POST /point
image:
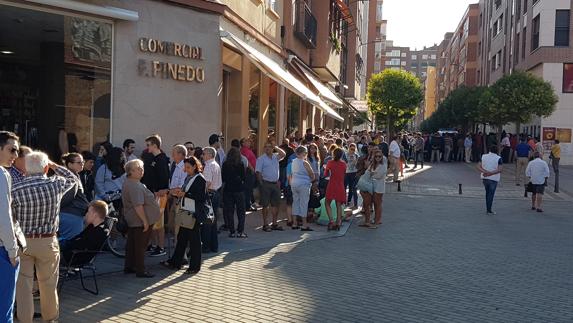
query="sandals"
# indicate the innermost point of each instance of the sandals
(266, 228)
(242, 235)
(306, 229)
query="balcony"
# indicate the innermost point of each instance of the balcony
(305, 24)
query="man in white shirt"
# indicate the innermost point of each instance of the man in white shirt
(490, 167)
(177, 177)
(538, 171)
(394, 158)
(506, 148)
(268, 173)
(212, 174)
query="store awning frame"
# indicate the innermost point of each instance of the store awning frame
(279, 74)
(99, 10)
(324, 91)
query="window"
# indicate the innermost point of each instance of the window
(415, 57)
(433, 56)
(403, 55)
(524, 7)
(403, 63)
(496, 60)
(498, 26)
(393, 53)
(425, 56)
(518, 8)
(523, 42)
(562, 28)
(272, 4)
(517, 44)
(535, 34)
(568, 78)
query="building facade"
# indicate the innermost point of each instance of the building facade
(93, 71)
(75, 74)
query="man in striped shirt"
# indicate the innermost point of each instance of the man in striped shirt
(36, 205)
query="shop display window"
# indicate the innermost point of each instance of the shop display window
(55, 79)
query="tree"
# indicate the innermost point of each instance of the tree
(393, 96)
(460, 109)
(517, 98)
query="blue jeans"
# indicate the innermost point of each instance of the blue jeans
(490, 187)
(70, 226)
(350, 181)
(9, 275)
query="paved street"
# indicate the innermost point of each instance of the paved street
(437, 258)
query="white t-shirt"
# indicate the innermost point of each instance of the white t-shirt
(490, 163)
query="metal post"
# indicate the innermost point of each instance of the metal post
(460, 188)
(399, 186)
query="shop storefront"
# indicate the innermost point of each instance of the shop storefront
(74, 74)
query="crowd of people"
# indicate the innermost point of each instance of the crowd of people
(195, 194)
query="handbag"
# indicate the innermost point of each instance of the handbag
(365, 183)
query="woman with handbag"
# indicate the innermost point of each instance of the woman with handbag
(140, 210)
(190, 213)
(378, 169)
(365, 183)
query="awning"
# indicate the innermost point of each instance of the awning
(279, 74)
(323, 91)
(100, 10)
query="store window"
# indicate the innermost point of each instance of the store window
(293, 113)
(55, 80)
(568, 78)
(254, 101)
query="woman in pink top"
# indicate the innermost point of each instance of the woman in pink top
(336, 170)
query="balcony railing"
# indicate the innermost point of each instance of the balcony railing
(305, 24)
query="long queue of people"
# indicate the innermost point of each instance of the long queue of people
(49, 209)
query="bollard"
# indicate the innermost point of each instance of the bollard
(460, 188)
(399, 186)
(525, 191)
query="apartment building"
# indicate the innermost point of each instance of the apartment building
(460, 58)
(376, 37)
(420, 60)
(441, 67)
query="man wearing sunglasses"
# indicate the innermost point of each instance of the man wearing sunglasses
(11, 237)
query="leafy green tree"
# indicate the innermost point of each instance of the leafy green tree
(517, 98)
(393, 96)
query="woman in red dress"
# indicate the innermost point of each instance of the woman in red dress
(336, 170)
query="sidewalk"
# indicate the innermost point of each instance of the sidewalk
(258, 239)
(451, 175)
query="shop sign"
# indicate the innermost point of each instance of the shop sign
(548, 134)
(563, 135)
(168, 70)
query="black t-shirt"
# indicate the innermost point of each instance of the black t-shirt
(233, 176)
(91, 238)
(156, 171)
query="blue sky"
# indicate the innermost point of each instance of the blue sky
(419, 23)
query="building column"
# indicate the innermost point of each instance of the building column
(263, 111)
(238, 106)
(281, 115)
